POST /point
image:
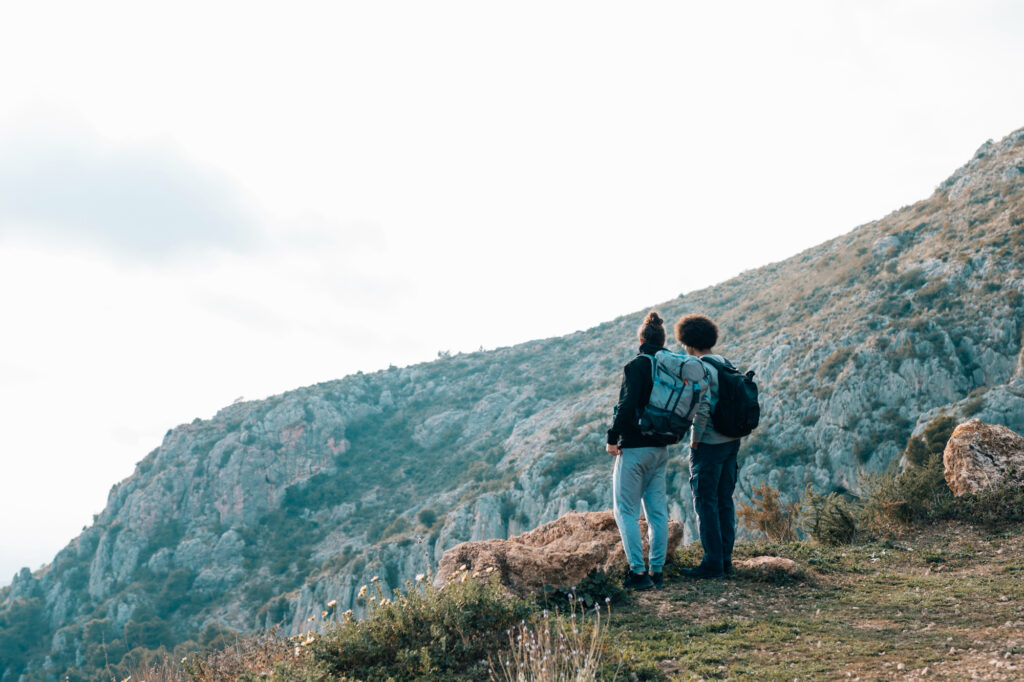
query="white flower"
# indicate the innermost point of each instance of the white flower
(420, 577)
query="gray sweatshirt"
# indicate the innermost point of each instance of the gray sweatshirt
(703, 431)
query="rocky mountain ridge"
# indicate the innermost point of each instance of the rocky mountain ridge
(261, 515)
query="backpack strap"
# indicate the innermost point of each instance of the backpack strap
(719, 365)
(651, 358)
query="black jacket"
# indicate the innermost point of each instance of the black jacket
(633, 396)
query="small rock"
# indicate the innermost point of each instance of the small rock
(771, 565)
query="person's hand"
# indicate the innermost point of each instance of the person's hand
(613, 450)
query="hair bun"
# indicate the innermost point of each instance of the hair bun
(654, 318)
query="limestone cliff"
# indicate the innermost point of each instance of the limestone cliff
(264, 513)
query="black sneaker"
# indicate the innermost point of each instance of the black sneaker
(658, 579)
(637, 581)
(701, 572)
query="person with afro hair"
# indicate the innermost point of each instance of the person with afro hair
(713, 459)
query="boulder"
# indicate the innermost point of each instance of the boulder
(771, 566)
(560, 553)
(982, 456)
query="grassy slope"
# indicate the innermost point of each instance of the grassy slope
(941, 602)
(949, 598)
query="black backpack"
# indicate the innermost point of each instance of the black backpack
(737, 412)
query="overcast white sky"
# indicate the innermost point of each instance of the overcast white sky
(201, 201)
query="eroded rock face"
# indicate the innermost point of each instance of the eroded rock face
(982, 456)
(560, 553)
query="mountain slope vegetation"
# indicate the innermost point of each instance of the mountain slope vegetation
(260, 515)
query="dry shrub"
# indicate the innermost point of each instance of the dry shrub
(768, 516)
(564, 648)
(260, 657)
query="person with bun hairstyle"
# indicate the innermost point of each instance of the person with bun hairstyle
(638, 478)
(713, 459)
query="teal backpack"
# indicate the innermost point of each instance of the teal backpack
(679, 383)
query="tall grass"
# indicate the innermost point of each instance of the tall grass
(557, 648)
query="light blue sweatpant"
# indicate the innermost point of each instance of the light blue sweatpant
(639, 479)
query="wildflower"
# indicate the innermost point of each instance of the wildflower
(362, 591)
(323, 614)
(420, 577)
(184, 659)
(374, 579)
(296, 651)
(331, 604)
(312, 618)
(490, 569)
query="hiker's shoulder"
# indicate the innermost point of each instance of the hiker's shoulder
(714, 359)
(639, 361)
(643, 359)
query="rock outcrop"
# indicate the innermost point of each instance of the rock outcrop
(982, 456)
(560, 553)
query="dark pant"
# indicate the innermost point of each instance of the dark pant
(713, 470)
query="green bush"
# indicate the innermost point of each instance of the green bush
(826, 518)
(427, 516)
(428, 633)
(564, 464)
(994, 509)
(22, 627)
(931, 441)
(917, 494)
(597, 588)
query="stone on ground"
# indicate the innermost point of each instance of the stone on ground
(982, 456)
(771, 565)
